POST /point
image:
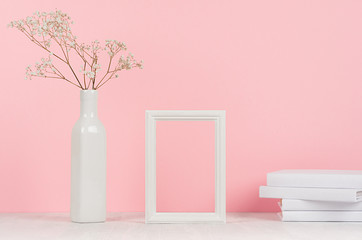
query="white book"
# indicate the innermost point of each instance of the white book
(307, 205)
(315, 178)
(321, 216)
(319, 194)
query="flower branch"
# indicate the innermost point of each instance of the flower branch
(47, 27)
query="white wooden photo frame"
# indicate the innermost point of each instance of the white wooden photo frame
(219, 215)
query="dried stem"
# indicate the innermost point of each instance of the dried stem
(44, 28)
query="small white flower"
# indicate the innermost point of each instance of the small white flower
(56, 25)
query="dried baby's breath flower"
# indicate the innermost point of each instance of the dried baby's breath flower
(52, 30)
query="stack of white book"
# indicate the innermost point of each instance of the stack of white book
(316, 195)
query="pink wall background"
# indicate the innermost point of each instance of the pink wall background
(288, 74)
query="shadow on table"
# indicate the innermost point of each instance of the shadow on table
(126, 217)
(61, 217)
(251, 217)
(65, 217)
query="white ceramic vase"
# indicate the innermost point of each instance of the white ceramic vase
(88, 164)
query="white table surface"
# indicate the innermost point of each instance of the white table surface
(54, 226)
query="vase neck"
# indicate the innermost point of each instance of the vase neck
(88, 103)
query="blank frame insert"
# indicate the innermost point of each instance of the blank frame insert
(185, 166)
